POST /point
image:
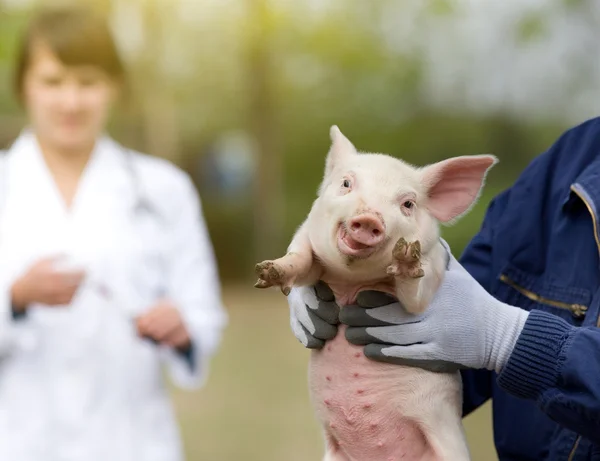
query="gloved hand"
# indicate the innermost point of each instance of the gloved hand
(313, 314)
(463, 327)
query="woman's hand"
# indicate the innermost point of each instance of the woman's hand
(43, 283)
(164, 324)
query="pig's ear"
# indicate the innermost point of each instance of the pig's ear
(454, 185)
(341, 150)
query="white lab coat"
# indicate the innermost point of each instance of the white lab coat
(76, 383)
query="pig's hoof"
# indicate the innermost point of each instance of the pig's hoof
(407, 260)
(407, 252)
(271, 274)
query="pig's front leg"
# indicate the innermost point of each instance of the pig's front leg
(297, 267)
(416, 278)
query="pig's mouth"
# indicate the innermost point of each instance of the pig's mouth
(351, 247)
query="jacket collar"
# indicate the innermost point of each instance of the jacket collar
(586, 188)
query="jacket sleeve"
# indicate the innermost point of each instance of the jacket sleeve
(558, 366)
(477, 260)
(194, 286)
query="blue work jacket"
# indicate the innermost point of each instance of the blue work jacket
(538, 249)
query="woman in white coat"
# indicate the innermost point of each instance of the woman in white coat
(106, 268)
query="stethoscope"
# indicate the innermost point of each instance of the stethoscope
(143, 209)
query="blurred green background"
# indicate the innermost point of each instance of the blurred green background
(241, 93)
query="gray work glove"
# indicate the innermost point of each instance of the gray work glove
(463, 327)
(313, 314)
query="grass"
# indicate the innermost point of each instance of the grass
(255, 406)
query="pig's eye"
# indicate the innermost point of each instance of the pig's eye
(347, 184)
(408, 207)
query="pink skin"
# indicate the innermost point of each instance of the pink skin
(360, 234)
(351, 395)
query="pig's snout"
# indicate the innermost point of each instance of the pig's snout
(367, 229)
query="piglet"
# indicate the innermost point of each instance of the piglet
(375, 226)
